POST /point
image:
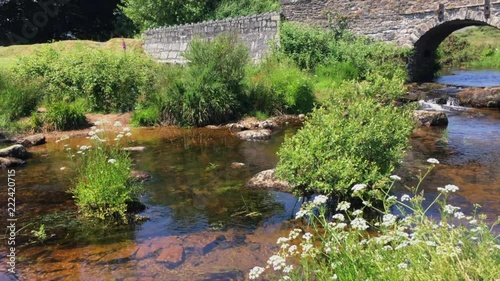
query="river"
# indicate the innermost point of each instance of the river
(199, 208)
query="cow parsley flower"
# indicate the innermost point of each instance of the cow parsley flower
(358, 187)
(343, 206)
(405, 197)
(255, 272)
(395, 178)
(449, 209)
(359, 223)
(389, 220)
(338, 217)
(112, 161)
(433, 161)
(320, 199)
(117, 124)
(277, 262)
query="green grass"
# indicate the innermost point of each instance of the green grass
(9, 55)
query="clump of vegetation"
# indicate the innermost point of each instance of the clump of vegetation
(64, 116)
(235, 8)
(348, 141)
(109, 82)
(103, 188)
(278, 86)
(406, 244)
(19, 99)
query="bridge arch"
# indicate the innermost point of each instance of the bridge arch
(430, 34)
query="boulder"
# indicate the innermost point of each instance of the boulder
(235, 127)
(171, 256)
(6, 162)
(254, 135)
(430, 118)
(267, 180)
(33, 140)
(480, 97)
(267, 124)
(139, 176)
(15, 151)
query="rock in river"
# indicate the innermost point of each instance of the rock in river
(15, 151)
(254, 135)
(267, 180)
(480, 97)
(6, 162)
(33, 140)
(430, 118)
(139, 176)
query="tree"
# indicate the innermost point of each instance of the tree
(155, 13)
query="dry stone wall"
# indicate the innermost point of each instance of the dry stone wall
(259, 32)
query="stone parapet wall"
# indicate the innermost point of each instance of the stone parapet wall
(258, 32)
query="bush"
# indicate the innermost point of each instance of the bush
(213, 90)
(103, 188)
(307, 46)
(231, 8)
(146, 116)
(108, 81)
(280, 87)
(19, 98)
(408, 244)
(66, 116)
(356, 141)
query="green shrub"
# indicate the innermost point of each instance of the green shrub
(146, 116)
(108, 81)
(213, 88)
(19, 98)
(356, 141)
(66, 116)
(103, 188)
(280, 87)
(307, 46)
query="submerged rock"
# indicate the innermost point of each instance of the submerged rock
(6, 162)
(430, 118)
(480, 97)
(15, 151)
(171, 256)
(267, 180)
(254, 135)
(33, 140)
(139, 176)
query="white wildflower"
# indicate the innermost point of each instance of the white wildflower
(338, 217)
(357, 213)
(459, 215)
(307, 236)
(473, 221)
(389, 220)
(288, 269)
(405, 197)
(433, 161)
(431, 243)
(282, 240)
(359, 223)
(395, 178)
(300, 214)
(451, 188)
(293, 250)
(320, 199)
(276, 262)
(126, 129)
(117, 124)
(255, 272)
(112, 161)
(358, 187)
(402, 265)
(84, 147)
(63, 168)
(294, 234)
(119, 136)
(334, 277)
(93, 128)
(343, 206)
(449, 209)
(129, 134)
(340, 226)
(91, 133)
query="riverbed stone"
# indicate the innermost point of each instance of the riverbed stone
(135, 148)
(251, 135)
(480, 97)
(171, 256)
(430, 118)
(6, 162)
(238, 165)
(139, 176)
(33, 140)
(15, 151)
(125, 252)
(267, 180)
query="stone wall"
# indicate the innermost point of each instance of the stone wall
(385, 20)
(258, 32)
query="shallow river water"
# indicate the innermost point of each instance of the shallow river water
(203, 223)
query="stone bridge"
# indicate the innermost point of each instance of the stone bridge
(419, 24)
